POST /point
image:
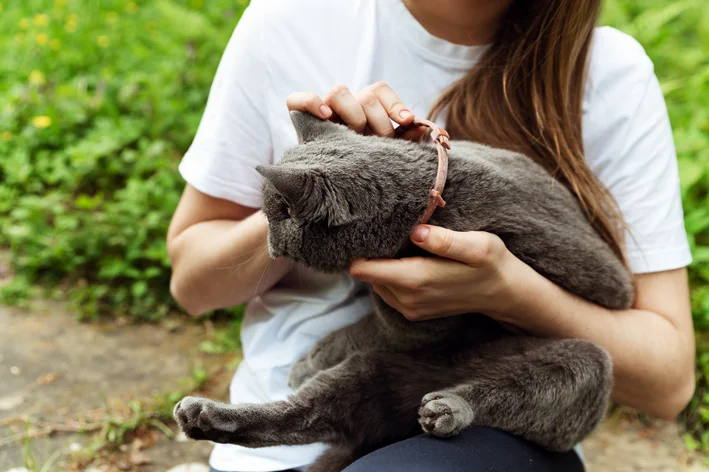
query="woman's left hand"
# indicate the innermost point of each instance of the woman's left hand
(469, 276)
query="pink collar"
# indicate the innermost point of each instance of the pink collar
(441, 138)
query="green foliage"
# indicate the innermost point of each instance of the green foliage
(99, 101)
(676, 36)
(225, 340)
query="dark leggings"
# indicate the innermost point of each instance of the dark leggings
(473, 450)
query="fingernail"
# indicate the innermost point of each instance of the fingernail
(403, 114)
(325, 111)
(420, 234)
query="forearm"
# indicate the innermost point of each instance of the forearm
(222, 263)
(651, 356)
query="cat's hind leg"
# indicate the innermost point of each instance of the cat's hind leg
(551, 392)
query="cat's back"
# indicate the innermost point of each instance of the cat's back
(538, 218)
(502, 164)
(507, 185)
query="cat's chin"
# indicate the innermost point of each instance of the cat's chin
(326, 269)
(317, 266)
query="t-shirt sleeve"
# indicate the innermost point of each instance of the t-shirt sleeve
(635, 158)
(234, 134)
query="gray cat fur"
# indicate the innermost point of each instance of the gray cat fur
(339, 196)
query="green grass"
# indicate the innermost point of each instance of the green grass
(99, 99)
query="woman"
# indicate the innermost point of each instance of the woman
(529, 75)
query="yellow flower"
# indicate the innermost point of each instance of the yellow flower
(60, 3)
(41, 19)
(6, 136)
(55, 44)
(70, 27)
(131, 7)
(37, 77)
(112, 16)
(41, 39)
(24, 23)
(42, 121)
(72, 18)
(102, 41)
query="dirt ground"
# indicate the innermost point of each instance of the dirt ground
(55, 371)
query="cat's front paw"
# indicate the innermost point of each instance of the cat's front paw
(444, 414)
(201, 418)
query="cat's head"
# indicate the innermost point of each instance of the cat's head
(338, 195)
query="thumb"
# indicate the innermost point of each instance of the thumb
(471, 247)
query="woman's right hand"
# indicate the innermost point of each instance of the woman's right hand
(370, 111)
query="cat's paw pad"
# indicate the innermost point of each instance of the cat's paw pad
(444, 414)
(201, 418)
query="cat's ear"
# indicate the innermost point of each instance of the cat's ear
(310, 128)
(310, 194)
(288, 180)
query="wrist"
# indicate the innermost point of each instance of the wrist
(506, 301)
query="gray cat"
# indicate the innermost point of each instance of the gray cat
(339, 196)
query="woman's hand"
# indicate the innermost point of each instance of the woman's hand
(369, 111)
(470, 276)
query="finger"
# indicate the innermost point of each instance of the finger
(471, 247)
(407, 273)
(387, 295)
(391, 299)
(347, 107)
(377, 119)
(310, 102)
(391, 102)
(413, 133)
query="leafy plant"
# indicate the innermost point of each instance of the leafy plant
(676, 37)
(99, 101)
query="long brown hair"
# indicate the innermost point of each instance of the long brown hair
(526, 95)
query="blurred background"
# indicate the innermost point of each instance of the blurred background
(98, 101)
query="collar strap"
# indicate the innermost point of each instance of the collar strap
(441, 138)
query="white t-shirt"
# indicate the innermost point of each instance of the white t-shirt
(280, 46)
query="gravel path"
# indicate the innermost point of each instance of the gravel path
(54, 369)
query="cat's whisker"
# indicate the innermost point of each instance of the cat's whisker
(239, 257)
(254, 253)
(263, 274)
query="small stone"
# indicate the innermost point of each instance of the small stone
(191, 467)
(75, 447)
(48, 378)
(17, 469)
(139, 458)
(11, 401)
(181, 437)
(14, 370)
